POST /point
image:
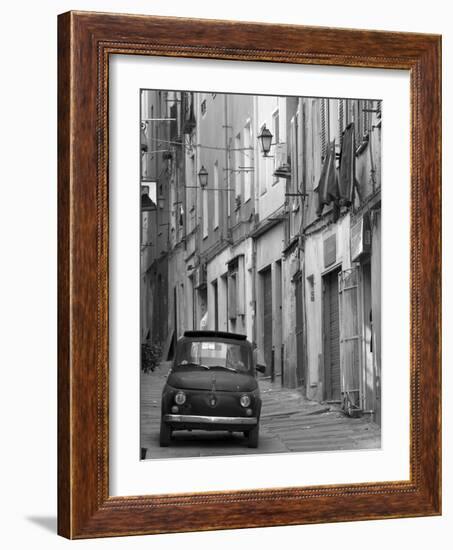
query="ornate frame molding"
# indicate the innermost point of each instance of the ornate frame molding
(86, 40)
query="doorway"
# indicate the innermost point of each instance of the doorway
(331, 337)
(216, 304)
(300, 352)
(267, 318)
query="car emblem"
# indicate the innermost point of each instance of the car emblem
(212, 400)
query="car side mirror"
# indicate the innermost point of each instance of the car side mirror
(261, 368)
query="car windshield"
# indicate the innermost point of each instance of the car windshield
(211, 354)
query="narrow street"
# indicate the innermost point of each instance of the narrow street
(265, 222)
(289, 422)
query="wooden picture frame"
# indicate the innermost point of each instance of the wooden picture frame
(85, 41)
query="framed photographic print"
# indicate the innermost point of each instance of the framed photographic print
(249, 275)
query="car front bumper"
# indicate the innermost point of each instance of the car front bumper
(205, 421)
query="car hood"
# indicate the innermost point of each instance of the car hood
(220, 380)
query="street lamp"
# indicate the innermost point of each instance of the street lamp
(265, 139)
(203, 177)
(161, 201)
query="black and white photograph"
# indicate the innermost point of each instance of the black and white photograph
(260, 274)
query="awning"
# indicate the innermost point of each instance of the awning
(147, 205)
(327, 187)
(347, 167)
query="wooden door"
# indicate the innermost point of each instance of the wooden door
(267, 318)
(331, 337)
(216, 305)
(300, 367)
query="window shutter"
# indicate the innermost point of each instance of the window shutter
(357, 123)
(341, 120)
(350, 340)
(240, 287)
(236, 287)
(323, 129)
(301, 148)
(232, 296)
(293, 153)
(294, 201)
(366, 117)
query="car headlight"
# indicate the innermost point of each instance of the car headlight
(180, 398)
(245, 400)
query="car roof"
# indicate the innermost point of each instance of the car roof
(214, 334)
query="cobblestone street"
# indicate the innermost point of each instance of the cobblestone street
(289, 422)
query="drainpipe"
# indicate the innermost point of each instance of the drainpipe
(256, 210)
(254, 275)
(256, 173)
(226, 194)
(302, 247)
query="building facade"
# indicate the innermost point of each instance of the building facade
(281, 245)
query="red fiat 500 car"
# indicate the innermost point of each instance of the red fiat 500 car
(212, 385)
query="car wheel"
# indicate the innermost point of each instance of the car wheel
(253, 437)
(165, 434)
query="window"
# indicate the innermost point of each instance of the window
(311, 287)
(248, 161)
(341, 120)
(276, 140)
(215, 291)
(216, 194)
(197, 353)
(266, 168)
(293, 153)
(379, 108)
(276, 126)
(236, 288)
(191, 194)
(362, 120)
(324, 127)
(228, 174)
(294, 182)
(237, 171)
(366, 105)
(232, 288)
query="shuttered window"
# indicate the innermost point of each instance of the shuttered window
(295, 174)
(236, 288)
(248, 161)
(238, 174)
(217, 194)
(363, 120)
(324, 128)
(232, 287)
(350, 341)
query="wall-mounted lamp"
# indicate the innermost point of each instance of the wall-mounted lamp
(265, 139)
(161, 201)
(203, 177)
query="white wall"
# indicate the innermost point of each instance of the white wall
(270, 190)
(28, 275)
(314, 266)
